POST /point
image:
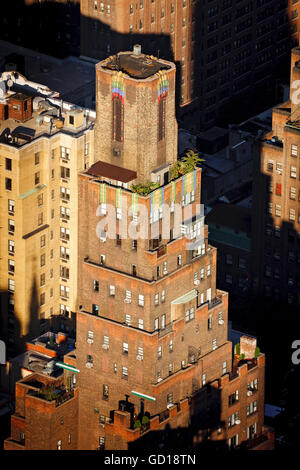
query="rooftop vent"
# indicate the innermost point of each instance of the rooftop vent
(137, 49)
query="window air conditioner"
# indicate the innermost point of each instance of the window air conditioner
(139, 357)
(105, 346)
(249, 393)
(237, 421)
(90, 340)
(127, 301)
(221, 322)
(197, 282)
(89, 365)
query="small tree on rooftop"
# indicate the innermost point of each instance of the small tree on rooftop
(191, 159)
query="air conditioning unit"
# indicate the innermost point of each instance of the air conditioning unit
(237, 421)
(89, 365)
(90, 340)
(105, 346)
(221, 322)
(127, 301)
(197, 282)
(170, 405)
(159, 379)
(249, 393)
(139, 357)
(103, 239)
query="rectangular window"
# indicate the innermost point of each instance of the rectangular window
(11, 246)
(64, 253)
(112, 290)
(11, 266)
(64, 233)
(141, 300)
(11, 206)
(37, 178)
(8, 184)
(140, 323)
(65, 153)
(40, 218)
(125, 373)
(8, 165)
(128, 319)
(64, 291)
(156, 299)
(96, 286)
(95, 309)
(278, 189)
(64, 172)
(64, 213)
(11, 285)
(42, 299)
(37, 158)
(294, 150)
(105, 392)
(293, 172)
(159, 352)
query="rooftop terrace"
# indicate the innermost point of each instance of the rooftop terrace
(135, 64)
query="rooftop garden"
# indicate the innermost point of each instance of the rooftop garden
(186, 163)
(52, 393)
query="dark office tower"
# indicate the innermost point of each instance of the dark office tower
(228, 52)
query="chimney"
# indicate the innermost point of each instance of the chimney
(137, 49)
(247, 346)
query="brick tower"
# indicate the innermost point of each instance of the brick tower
(151, 325)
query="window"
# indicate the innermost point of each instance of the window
(278, 189)
(128, 319)
(118, 117)
(42, 279)
(11, 285)
(294, 150)
(156, 324)
(134, 245)
(42, 299)
(58, 445)
(125, 348)
(161, 116)
(232, 420)
(228, 259)
(65, 213)
(208, 270)
(37, 178)
(233, 398)
(43, 260)
(64, 233)
(64, 172)
(112, 290)
(140, 323)
(209, 322)
(224, 367)
(64, 291)
(64, 253)
(170, 398)
(140, 353)
(253, 386)
(65, 193)
(11, 206)
(128, 296)
(179, 260)
(11, 266)
(171, 345)
(96, 286)
(277, 210)
(163, 296)
(40, 218)
(156, 299)
(8, 184)
(125, 373)
(214, 344)
(8, 165)
(11, 246)
(203, 379)
(65, 153)
(105, 392)
(292, 214)
(293, 172)
(190, 314)
(293, 193)
(251, 408)
(270, 165)
(64, 272)
(141, 300)
(159, 352)
(37, 158)
(95, 309)
(64, 310)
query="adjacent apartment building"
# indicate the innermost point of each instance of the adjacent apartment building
(225, 50)
(276, 196)
(44, 143)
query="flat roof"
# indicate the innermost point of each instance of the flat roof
(136, 66)
(112, 171)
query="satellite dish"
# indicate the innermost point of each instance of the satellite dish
(10, 83)
(2, 89)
